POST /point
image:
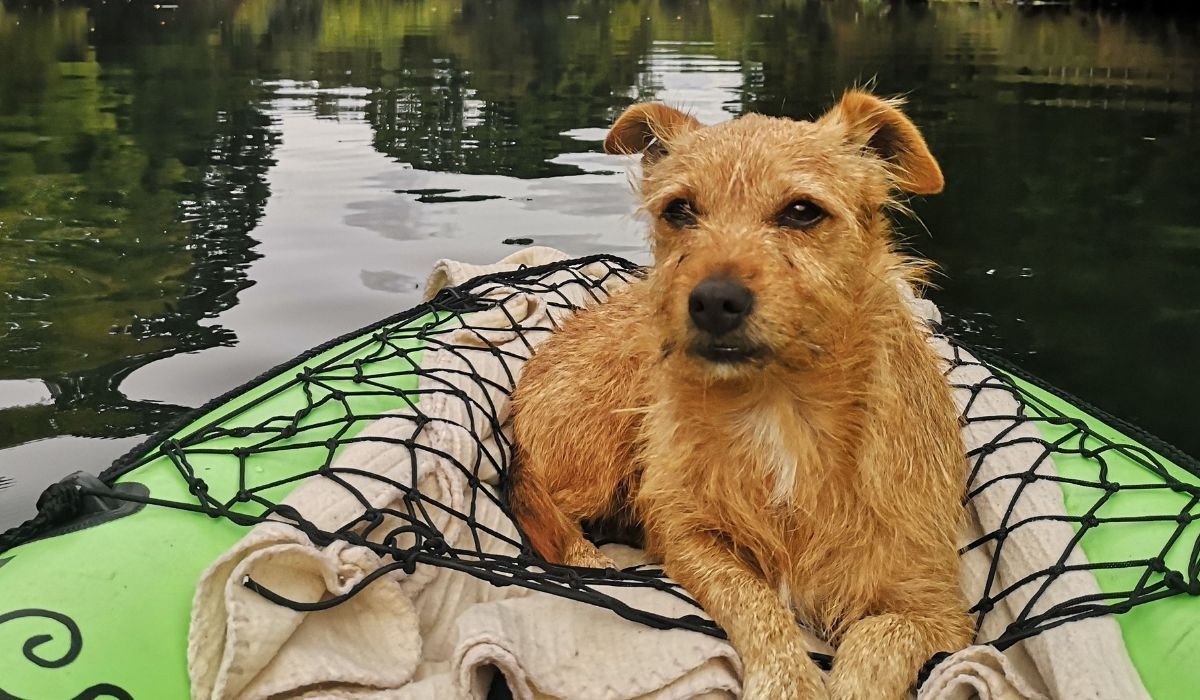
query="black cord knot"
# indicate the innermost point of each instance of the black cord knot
(59, 501)
(1175, 581)
(984, 606)
(409, 564)
(197, 487)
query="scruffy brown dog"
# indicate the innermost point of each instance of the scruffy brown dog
(764, 404)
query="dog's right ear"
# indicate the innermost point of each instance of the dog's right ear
(880, 127)
(647, 128)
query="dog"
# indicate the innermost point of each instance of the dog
(764, 407)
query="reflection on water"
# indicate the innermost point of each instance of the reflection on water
(688, 73)
(121, 227)
(192, 194)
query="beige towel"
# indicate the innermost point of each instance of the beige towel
(552, 647)
(451, 273)
(440, 633)
(980, 672)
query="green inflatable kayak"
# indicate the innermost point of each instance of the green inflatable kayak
(96, 591)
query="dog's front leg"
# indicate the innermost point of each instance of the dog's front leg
(879, 656)
(761, 629)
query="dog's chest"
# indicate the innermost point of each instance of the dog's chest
(773, 439)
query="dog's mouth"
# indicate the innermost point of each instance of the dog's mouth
(726, 352)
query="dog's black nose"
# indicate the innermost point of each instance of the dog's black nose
(718, 305)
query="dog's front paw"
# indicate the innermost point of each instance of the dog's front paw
(842, 688)
(786, 680)
(584, 554)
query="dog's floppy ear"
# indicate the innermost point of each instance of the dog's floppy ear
(647, 128)
(879, 126)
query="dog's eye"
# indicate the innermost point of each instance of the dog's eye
(679, 213)
(801, 214)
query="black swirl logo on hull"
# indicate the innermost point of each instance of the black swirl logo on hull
(31, 652)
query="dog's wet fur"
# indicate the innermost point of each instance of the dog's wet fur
(764, 406)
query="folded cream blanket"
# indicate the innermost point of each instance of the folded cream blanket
(440, 633)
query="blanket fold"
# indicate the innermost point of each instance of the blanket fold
(245, 646)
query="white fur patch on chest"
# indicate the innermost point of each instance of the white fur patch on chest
(768, 441)
(785, 595)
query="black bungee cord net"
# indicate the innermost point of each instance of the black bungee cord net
(1160, 468)
(376, 368)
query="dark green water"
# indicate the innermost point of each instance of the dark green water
(192, 194)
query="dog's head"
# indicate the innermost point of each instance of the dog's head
(767, 231)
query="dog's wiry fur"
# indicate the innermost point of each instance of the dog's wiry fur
(817, 476)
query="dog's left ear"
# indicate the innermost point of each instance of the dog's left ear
(879, 126)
